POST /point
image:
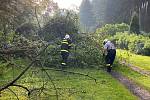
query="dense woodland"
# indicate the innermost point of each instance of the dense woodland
(101, 12)
(30, 37)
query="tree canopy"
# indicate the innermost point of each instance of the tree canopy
(87, 20)
(115, 11)
(16, 12)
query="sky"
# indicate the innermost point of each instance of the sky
(68, 4)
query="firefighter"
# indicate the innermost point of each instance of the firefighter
(65, 46)
(110, 53)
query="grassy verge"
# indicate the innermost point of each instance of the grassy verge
(141, 80)
(70, 87)
(140, 61)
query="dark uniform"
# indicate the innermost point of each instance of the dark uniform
(111, 53)
(65, 46)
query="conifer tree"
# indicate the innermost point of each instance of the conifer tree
(99, 9)
(87, 20)
(134, 25)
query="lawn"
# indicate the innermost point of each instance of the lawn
(140, 61)
(141, 80)
(69, 86)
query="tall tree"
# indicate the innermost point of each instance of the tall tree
(64, 21)
(99, 9)
(144, 10)
(135, 26)
(87, 20)
(119, 11)
(15, 12)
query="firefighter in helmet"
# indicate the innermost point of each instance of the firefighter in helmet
(65, 46)
(110, 53)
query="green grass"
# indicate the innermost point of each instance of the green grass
(141, 80)
(140, 61)
(70, 87)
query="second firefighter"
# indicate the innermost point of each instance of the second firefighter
(65, 46)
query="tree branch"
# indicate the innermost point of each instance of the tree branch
(71, 73)
(50, 80)
(22, 73)
(22, 87)
(17, 78)
(13, 93)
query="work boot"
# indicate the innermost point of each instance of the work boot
(63, 65)
(109, 69)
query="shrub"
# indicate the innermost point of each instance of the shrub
(88, 50)
(2, 67)
(27, 30)
(52, 56)
(85, 52)
(111, 29)
(135, 43)
(146, 48)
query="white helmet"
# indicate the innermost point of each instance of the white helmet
(105, 41)
(67, 36)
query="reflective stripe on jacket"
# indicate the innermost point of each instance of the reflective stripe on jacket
(65, 45)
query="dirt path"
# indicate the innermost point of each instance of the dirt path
(137, 69)
(133, 87)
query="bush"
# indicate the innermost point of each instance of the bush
(111, 29)
(52, 57)
(135, 43)
(27, 30)
(88, 52)
(2, 67)
(85, 52)
(146, 48)
(18, 41)
(145, 34)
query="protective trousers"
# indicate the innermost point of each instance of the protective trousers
(64, 57)
(110, 57)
